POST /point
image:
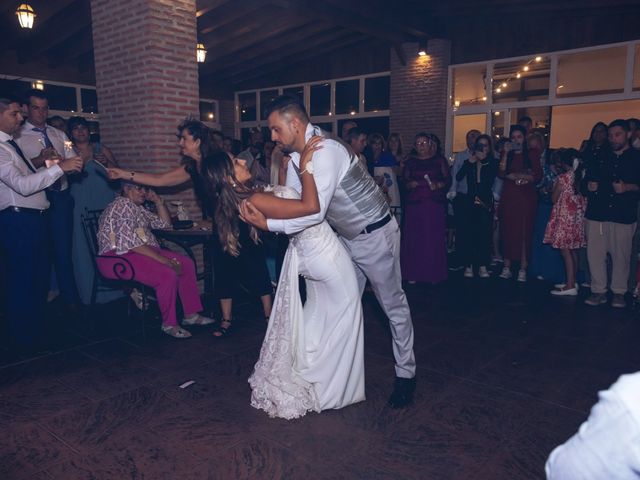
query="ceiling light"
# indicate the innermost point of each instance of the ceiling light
(201, 53)
(538, 59)
(26, 14)
(422, 49)
(38, 85)
(496, 114)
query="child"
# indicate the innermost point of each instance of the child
(565, 229)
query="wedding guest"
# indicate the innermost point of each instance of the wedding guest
(90, 191)
(56, 121)
(24, 239)
(565, 230)
(479, 171)
(125, 232)
(40, 142)
(521, 170)
(195, 144)
(427, 178)
(546, 261)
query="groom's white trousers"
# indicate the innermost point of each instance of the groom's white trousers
(376, 256)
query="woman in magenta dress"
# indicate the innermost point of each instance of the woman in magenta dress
(565, 230)
(427, 179)
(521, 170)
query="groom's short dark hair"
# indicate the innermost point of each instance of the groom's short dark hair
(287, 104)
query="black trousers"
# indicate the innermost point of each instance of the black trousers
(477, 232)
(248, 269)
(25, 275)
(61, 233)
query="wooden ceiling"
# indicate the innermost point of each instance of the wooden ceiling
(248, 39)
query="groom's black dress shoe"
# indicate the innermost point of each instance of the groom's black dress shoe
(402, 392)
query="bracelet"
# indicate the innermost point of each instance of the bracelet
(308, 169)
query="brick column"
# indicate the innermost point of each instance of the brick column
(419, 91)
(146, 79)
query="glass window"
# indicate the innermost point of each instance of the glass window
(370, 125)
(320, 99)
(540, 118)
(327, 127)
(462, 124)
(636, 69)
(376, 94)
(266, 97)
(89, 100)
(497, 124)
(591, 73)
(521, 80)
(14, 87)
(297, 91)
(247, 104)
(208, 112)
(468, 85)
(347, 97)
(573, 123)
(61, 98)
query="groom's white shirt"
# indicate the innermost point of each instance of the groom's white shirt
(330, 164)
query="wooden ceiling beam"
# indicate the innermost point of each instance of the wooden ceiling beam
(205, 6)
(251, 23)
(301, 49)
(351, 21)
(289, 61)
(226, 14)
(284, 41)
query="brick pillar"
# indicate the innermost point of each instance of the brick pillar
(227, 117)
(419, 91)
(146, 79)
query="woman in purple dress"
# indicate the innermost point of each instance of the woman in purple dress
(427, 179)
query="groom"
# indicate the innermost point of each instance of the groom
(355, 207)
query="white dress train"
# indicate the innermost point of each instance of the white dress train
(312, 357)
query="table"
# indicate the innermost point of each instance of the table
(200, 234)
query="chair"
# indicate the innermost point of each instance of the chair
(122, 269)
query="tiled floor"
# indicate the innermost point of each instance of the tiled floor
(505, 373)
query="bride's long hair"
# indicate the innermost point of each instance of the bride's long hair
(226, 192)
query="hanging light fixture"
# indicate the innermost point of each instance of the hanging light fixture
(26, 14)
(201, 53)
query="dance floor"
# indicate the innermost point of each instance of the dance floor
(505, 373)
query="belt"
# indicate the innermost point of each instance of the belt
(376, 225)
(32, 211)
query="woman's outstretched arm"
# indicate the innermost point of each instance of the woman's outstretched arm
(170, 178)
(283, 208)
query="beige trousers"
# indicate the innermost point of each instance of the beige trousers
(616, 240)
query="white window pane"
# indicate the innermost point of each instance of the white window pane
(462, 124)
(595, 72)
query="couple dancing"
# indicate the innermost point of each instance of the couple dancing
(312, 357)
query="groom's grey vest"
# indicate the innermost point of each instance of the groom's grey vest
(357, 201)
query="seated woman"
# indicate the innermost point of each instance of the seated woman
(125, 231)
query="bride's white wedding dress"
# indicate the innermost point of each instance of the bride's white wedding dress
(312, 357)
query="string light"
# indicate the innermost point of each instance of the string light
(526, 68)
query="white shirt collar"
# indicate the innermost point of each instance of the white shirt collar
(5, 137)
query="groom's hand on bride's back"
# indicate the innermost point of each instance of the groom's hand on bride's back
(251, 215)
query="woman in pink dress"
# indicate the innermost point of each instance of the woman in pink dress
(565, 229)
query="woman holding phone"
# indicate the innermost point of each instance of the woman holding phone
(91, 190)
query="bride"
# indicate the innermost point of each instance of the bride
(312, 357)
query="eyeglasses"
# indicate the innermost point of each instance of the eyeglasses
(425, 142)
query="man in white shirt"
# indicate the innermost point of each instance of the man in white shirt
(38, 142)
(24, 241)
(355, 207)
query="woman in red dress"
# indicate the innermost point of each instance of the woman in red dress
(521, 170)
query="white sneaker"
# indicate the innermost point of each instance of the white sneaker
(570, 292)
(468, 272)
(482, 272)
(522, 275)
(559, 286)
(506, 273)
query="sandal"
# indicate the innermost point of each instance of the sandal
(175, 331)
(197, 319)
(222, 330)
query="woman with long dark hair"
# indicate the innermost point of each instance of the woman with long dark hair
(312, 357)
(521, 170)
(196, 143)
